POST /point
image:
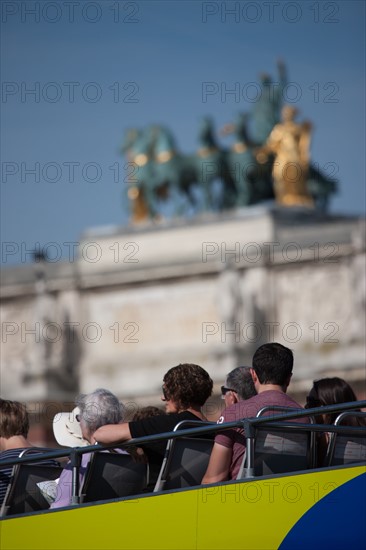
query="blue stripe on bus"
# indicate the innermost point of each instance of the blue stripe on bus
(337, 521)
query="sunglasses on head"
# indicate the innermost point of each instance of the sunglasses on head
(224, 390)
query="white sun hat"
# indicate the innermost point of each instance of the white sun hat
(67, 431)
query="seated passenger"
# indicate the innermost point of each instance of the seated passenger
(186, 389)
(331, 391)
(14, 427)
(271, 372)
(96, 409)
(238, 386)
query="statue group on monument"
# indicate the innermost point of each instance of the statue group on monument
(269, 159)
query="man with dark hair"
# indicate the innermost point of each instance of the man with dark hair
(271, 373)
(273, 364)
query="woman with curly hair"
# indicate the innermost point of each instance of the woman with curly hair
(185, 390)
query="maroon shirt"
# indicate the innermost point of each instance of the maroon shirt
(234, 439)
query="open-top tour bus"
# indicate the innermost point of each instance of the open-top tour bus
(281, 499)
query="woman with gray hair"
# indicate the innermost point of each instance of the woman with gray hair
(97, 409)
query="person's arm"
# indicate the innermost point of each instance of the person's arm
(219, 465)
(112, 433)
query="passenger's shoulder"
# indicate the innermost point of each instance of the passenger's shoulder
(10, 453)
(291, 401)
(242, 409)
(274, 397)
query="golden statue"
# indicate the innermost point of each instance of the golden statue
(135, 147)
(290, 143)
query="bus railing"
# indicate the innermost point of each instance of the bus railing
(249, 425)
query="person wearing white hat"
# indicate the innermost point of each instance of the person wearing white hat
(95, 409)
(67, 430)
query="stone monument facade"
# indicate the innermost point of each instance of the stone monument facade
(137, 301)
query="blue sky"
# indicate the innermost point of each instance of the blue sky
(98, 68)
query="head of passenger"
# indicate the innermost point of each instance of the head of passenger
(330, 391)
(14, 423)
(272, 366)
(146, 412)
(238, 386)
(97, 409)
(186, 387)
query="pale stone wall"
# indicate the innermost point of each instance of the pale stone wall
(208, 291)
(144, 330)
